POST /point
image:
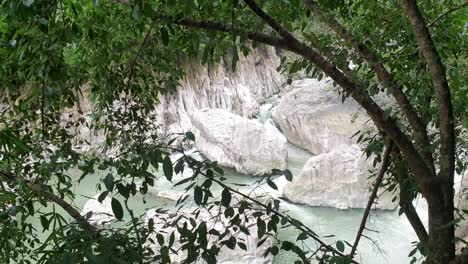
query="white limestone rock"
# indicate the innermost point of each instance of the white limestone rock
(98, 214)
(313, 117)
(165, 224)
(336, 179)
(218, 86)
(171, 195)
(462, 203)
(238, 142)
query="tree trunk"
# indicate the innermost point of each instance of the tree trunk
(441, 225)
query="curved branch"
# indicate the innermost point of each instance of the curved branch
(9, 177)
(441, 87)
(416, 123)
(221, 27)
(446, 13)
(359, 94)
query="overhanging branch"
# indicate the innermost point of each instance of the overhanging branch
(387, 79)
(359, 94)
(9, 177)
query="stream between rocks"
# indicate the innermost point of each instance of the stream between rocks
(392, 234)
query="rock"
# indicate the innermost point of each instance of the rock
(336, 179)
(98, 214)
(165, 224)
(461, 203)
(238, 142)
(217, 86)
(313, 117)
(171, 195)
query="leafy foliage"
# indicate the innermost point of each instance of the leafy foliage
(124, 55)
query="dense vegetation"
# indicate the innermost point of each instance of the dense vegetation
(124, 54)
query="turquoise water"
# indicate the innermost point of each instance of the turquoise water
(391, 232)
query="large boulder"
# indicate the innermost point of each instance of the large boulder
(312, 116)
(238, 142)
(336, 179)
(167, 223)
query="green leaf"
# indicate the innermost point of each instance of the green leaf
(226, 197)
(117, 209)
(302, 236)
(167, 168)
(44, 222)
(164, 36)
(123, 190)
(190, 136)
(340, 246)
(160, 239)
(261, 227)
(231, 242)
(198, 195)
(242, 245)
(288, 175)
(274, 250)
(102, 196)
(272, 184)
(286, 245)
(109, 182)
(151, 225)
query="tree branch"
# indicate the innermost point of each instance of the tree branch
(405, 202)
(441, 88)
(9, 177)
(451, 10)
(221, 27)
(359, 94)
(378, 181)
(387, 79)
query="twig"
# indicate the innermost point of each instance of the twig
(451, 10)
(378, 181)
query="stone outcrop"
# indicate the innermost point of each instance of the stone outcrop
(166, 223)
(240, 92)
(216, 86)
(336, 179)
(312, 116)
(461, 202)
(238, 142)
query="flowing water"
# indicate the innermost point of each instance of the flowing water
(390, 236)
(391, 233)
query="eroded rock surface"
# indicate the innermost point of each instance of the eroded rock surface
(218, 86)
(336, 179)
(238, 142)
(312, 116)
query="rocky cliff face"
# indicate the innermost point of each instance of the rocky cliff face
(313, 117)
(337, 179)
(240, 92)
(238, 142)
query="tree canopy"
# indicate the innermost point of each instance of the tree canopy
(125, 54)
